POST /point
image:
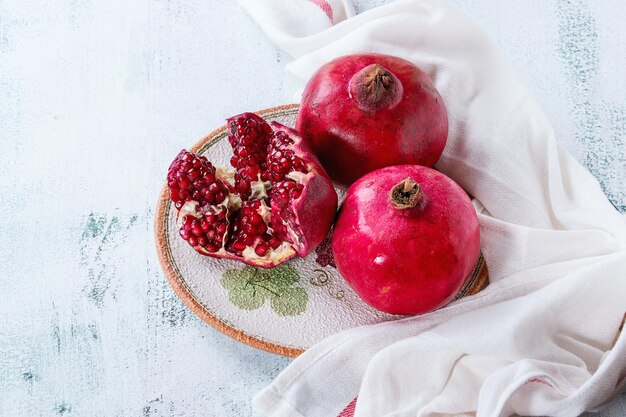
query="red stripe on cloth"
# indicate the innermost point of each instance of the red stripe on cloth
(541, 381)
(323, 4)
(349, 410)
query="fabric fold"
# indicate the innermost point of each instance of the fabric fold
(540, 339)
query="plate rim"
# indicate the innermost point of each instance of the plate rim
(172, 277)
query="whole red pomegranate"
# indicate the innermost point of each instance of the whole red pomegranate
(278, 200)
(406, 239)
(364, 112)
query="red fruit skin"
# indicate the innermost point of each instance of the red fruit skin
(247, 217)
(408, 261)
(351, 141)
(316, 208)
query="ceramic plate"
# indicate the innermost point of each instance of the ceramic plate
(282, 310)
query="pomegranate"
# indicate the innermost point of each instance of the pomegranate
(276, 203)
(364, 112)
(406, 239)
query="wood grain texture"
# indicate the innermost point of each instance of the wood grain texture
(97, 97)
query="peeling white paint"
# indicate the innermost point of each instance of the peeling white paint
(97, 98)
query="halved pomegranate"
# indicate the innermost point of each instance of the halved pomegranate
(276, 203)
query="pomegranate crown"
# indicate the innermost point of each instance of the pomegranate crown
(406, 194)
(375, 88)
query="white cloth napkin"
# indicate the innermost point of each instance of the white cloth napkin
(541, 339)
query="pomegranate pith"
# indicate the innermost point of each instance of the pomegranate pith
(260, 213)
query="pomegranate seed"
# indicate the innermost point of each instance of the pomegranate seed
(248, 239)
(185, 183)
(261, 249)
(255, 219)
(249, 136)
(274, 242)
(243, 186)
(249, 228)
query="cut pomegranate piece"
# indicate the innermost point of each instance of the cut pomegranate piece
(277, 203)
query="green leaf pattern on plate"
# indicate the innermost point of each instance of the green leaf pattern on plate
(248, 288)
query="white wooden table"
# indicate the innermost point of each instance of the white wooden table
(97, 97)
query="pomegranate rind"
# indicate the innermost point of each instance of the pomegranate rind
(316, 208)
(406, 261)
(351, 141)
